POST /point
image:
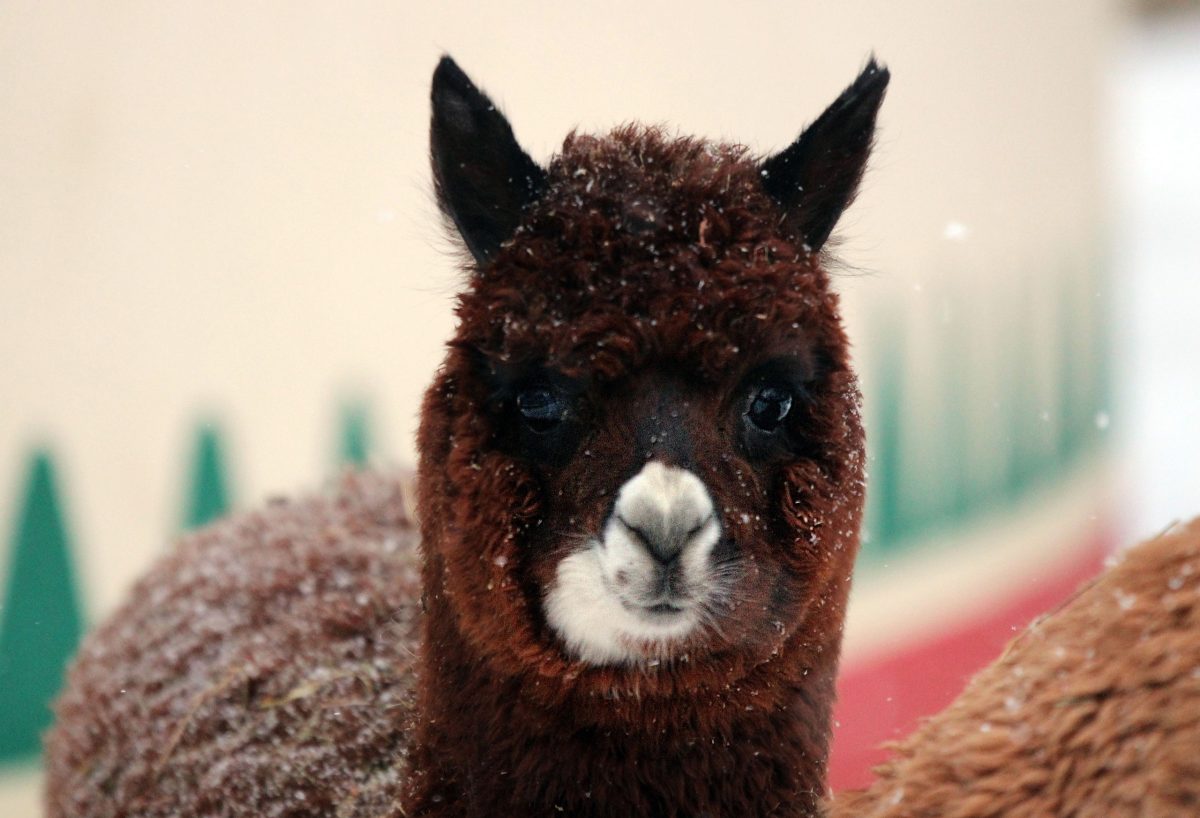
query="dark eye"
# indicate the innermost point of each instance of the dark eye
(542, 408)
(769, 406)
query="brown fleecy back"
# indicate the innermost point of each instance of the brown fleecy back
(264, 667)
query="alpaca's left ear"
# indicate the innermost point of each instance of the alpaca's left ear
(815, 178)
(484, 180)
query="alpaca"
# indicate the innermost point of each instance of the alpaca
(1092, 711)
(639, 495)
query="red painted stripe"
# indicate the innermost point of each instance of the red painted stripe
(883, 699)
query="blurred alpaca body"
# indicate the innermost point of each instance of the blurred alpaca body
(1092, 711)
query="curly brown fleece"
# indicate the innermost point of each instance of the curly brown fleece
(265, 667)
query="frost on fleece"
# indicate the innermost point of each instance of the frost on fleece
(265, 667)
(1093, 711)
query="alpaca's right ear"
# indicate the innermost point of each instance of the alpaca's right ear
(484, 181)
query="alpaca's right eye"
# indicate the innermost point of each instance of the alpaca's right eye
(541, 408)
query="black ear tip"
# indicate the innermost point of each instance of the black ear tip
(447, 70)
(458, 105)
(448, 78)
(874, 77)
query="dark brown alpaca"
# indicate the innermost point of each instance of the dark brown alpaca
(640, 490)
(641, 472)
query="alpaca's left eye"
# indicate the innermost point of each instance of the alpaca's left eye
(541, 408)
(769, 407)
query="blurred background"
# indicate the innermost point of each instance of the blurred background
(222, 277)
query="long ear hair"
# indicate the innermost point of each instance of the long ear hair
(816, 177)
(484, 180)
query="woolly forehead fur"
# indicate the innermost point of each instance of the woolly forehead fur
(646, 246)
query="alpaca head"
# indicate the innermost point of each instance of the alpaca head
(642, 460)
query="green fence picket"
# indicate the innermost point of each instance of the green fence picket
(354, 437)
(40, 621)
(208, 488)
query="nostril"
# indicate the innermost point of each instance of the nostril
(661, 544)
(640, 534)
(698, 527)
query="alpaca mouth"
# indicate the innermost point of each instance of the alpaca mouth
(658, 612)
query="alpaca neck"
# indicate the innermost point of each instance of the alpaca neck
(486, 745)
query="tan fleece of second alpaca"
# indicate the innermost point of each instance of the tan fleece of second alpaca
(1092, 711)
